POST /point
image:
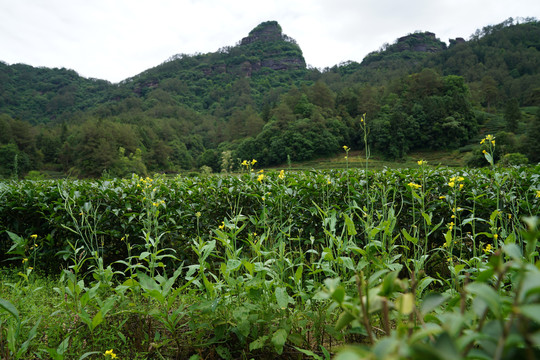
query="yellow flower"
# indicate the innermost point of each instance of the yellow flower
(253, 162)
(483, 141)
(222, 226)
(421, 162)
(495, 236)
(261, 171)
(414, 186)
(245, 163)
(442, 197)
(451, 184)
(24, 260)
(110, 353)
(460, 178)
(460, 186)
(484, 151)
(538, 193)
(509, 216)
(260, 178)
(281, 174)
(33, 236)
(493, 142)
(345, 147)
(30, 268)
(198, 214)
(451, 225)
(488, 248)
(263, 198)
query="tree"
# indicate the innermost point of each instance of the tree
(532, 144)
(512, 115)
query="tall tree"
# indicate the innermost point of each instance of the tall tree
(512, 115)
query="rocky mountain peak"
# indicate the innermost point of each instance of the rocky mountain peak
(264, 32)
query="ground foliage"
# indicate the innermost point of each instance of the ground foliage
(420, 263)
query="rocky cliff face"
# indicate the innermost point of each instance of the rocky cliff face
(266, 46)
(420, 42)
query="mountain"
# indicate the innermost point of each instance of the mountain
(258, 99)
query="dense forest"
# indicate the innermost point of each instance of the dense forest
(259, 99)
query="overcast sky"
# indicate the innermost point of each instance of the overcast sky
(117, 39)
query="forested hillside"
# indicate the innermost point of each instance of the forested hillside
(258, 99)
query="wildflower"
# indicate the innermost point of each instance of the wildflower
(421, 162)
(451, 225)
(261, 171)
(493, 142)
(263, 198)
(414, 186)
(36, 245)
(451, 184)
(484, 152)
(509, 216)
(222, 226)
(281, 174)
(260, 178)
(442, 197)
(345, 147)
(538, 193)
(198, 214)
(245, 163)
(25, 260)
(460, 186)
(488, 248)
(30, 268)
(33, 236)
(110, 353)
(253, 162)
(495, 236)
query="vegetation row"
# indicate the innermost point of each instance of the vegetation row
(420, 263)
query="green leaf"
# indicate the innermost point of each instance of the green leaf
(344, 319)
(309, 353)
(259, 343)
(488, 157)
(85, 355)
(532, 311)
(431, 302)
(98, 319)
(405, 303)
(427, 217)
(282, 297)
(10, 308)
(278, 340)
(351, 230)
(409, 237)
(513, 251)
(487, 295)
(298, 274)
(338, 294)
